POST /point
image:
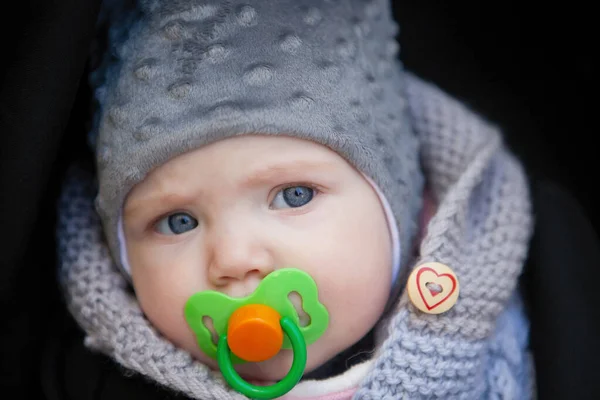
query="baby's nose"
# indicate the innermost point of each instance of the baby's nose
(239, 258)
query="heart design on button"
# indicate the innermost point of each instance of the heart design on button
(424, 286)
(446, 281)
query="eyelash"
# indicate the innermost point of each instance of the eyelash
(152, 225)
(317, 190)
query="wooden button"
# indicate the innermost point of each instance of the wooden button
(433, 288)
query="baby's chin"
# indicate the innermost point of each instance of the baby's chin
(270, 371)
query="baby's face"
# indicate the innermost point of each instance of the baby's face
(224, 216)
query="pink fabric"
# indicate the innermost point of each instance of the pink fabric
(344, 395)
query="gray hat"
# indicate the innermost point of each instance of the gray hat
(188, 73)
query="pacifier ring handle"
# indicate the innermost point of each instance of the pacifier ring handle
(278, 389)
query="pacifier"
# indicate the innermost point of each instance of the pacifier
(255, 328)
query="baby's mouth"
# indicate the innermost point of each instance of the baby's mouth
(209, 324)
(296, 299)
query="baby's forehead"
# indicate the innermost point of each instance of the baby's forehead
(256, 152)
(247, 160)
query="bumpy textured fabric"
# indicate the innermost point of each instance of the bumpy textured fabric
(186, 73)
(481, 229)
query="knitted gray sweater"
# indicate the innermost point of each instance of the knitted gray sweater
(481, 230)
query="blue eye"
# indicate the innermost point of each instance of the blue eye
(176, 224)
(293, 197)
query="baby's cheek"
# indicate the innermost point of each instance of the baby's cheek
(360, 291)
(165, 313)
(358, 310)
(162, 308)
(162, 299)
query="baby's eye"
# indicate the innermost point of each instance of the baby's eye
(176, 224)
(295, 196)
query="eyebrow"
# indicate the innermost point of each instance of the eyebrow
(259, 176)
(275, 170)
(146, 201)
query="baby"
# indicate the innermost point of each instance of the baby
(237, 139)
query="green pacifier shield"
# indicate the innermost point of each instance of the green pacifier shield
(272, 292)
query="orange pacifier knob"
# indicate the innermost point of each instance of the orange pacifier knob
(254, 332)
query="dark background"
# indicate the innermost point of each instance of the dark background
(528, 67)
(525, 65)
